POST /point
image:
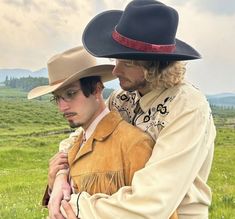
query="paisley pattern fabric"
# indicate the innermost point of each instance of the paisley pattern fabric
(128, 104)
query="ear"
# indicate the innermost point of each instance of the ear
(98, 90)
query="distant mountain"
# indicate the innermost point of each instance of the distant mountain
(19, 73)
(222, 99)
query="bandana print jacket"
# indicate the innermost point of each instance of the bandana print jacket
(175, 177)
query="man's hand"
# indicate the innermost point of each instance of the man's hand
(68, 210)
(61, 190)
(58, 162)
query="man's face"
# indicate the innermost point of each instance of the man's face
(78, 109)
(131, 77)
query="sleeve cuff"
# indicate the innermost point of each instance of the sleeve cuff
(63, 171)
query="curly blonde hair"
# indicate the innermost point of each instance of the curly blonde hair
(162, 73)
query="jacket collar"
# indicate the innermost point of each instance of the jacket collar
(89, 131)
(104, 129)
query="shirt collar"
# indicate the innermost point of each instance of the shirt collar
(93, 125)
(147, 100)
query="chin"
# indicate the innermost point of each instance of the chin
(130, 89)
(74, 125)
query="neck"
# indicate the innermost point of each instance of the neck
(144, 90)
(99, 110)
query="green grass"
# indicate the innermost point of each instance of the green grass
(26, 147)
(11, 93)
(21, 116)
(222, 182)
(222, 178)
(23, 176)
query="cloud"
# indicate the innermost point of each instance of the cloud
(226, 7)
(11, 20)
(68, 4)
(217, 6)
(34, 30)
(48, 27)
(120, 5)
(212, 35)
(25, 5)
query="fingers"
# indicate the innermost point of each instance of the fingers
(68, 210)
(54, 215)
(54, 204)
(57, 216)
(59, 158)
(59, 154)
(58, 162)
(66, 190)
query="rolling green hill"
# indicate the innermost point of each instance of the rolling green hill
(29, 135)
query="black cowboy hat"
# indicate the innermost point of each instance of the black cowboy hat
(145, 30)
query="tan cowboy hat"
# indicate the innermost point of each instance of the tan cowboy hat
(69, 66)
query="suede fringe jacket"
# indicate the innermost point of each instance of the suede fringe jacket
(109, 158)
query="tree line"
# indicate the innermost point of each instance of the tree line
(28, 83)
(25, 83)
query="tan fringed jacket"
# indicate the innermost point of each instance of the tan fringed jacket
(109, 158)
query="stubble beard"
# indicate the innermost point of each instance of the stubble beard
(74, 124)
(135, 87)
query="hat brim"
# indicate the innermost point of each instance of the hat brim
(97, 39)
(104, 71)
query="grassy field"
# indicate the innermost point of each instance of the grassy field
(26, 144)
(25, 148)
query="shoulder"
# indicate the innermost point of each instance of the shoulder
(186, 102)
(131, 133)
(120, 96)
(186, 97)
(118, 92)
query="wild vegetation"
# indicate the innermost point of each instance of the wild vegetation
(29, 136)
(28, 83)
(25, 83)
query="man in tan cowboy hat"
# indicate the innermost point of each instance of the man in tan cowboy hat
(156, 98)
(105, 160)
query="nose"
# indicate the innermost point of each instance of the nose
(117, 70)
(62, 105)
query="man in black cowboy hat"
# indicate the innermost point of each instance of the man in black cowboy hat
(156, 98)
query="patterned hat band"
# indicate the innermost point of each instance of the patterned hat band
(140, 45)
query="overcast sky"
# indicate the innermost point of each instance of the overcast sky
(34, 30)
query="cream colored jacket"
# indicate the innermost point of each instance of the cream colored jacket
(109, 158)
(175, 177)
(176, 174)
